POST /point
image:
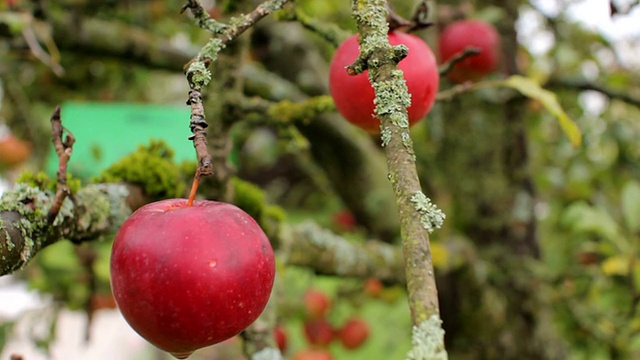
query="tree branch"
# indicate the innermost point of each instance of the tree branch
(25, 229)
(577, 84)
(63, 148)
(312, 246)
(418, 215)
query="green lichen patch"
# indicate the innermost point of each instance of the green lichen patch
(267, 354)
(428, 341)
(150, 167)
(431, 216)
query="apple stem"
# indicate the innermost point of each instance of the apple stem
(194, 188)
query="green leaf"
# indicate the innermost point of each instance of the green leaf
(581, 218)
(616, 265)
(631, 205)
(528, 87)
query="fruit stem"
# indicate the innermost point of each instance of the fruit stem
(194, 188)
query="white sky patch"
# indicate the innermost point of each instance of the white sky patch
(622, 29)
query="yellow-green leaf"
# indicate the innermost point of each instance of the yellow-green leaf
(631, 205)
(616, 265)
(530, 88)
(439, 255)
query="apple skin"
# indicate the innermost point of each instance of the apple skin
(318, 332)
(186, 277)
(316, 303)
(354, 333)
(461, 34)
(313, 354)
(353, 94)
(282, 340)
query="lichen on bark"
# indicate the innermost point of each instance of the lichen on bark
(24, 228)
(391, 94)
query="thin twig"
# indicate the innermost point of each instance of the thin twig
(448, 66)
(585, 85)
(198, 124)
(419, 20)
(64, 148)
(198, 75)
(229, 33)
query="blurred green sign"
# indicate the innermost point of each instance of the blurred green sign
(105, 132)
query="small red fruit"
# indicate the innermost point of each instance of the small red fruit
(462, 34)
(318, 332)
(373, 287)
(345, 220)
(354, 333)
(186, 277)
(313, 354)
(353, 95)
(316, 303)
(281, 338)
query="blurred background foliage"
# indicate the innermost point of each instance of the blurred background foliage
(573, 293)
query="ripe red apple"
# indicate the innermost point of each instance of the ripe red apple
(354, 333)
(318, 332)
(353, 95)
(313, 354)
(281, 338)
(186, 277)
(316, 303)
(462, 34)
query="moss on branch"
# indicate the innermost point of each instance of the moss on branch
(93, 211)
(310, 245)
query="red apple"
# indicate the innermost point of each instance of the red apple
(281, 338)
(186, 277)
(354, 333)
(316, 303)
(318, 332)
(353, 95)
(373, 287)
(462, 34)
(313, 354)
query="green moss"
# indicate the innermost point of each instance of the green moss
(151, 167)
(251, 199)
(43, 181)
(287, 112)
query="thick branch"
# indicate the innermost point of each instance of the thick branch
(24, 227)
(310, 245)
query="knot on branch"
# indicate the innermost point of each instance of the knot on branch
(373, 59)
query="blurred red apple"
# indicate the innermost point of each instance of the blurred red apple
(316, 303)
(462, 34)
(318, 332)
(354, 333)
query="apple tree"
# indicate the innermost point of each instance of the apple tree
(482, 205)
